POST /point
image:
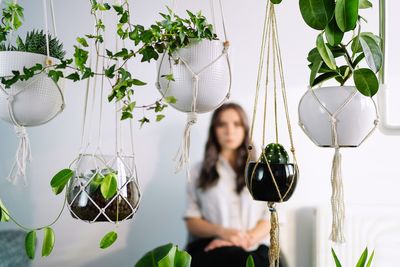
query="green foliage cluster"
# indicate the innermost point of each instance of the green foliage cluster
(35, 42)
(335, 18)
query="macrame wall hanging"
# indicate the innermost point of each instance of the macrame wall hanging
(202, 81)
(271, 178)
(104, 188)
(29, 103)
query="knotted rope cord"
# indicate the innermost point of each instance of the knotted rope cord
(183, 154)
(270, 44)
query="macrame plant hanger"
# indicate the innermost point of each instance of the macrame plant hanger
(119, 158)
(23, 154)
(183, 154)
(270, 47)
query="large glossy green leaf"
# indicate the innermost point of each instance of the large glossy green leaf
(151, 258)
(314, 71)
(317, 13)
(4, 213)
(182, 258)
(366, 81)
(372, 51)
(324, 77)
(48, 241)
(337, 262)
(325, 52)
(108, 240)
(168, 260)
(370, 259)
(363, 259)
(346, 13)
(333, 34)
(276, 1)
(364, 4)
(60, 180)
(30, 244)
(109, 185)
(250, 261)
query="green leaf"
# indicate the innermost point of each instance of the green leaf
(159, 117)
(109, 73)
(250, 261)
(108, 240)
(73, 76)
(138, 82)
(30, 244)
(314, 70)
(325, 52)
(317, 13)
(169, 77)
(48, 241)
(337, 262)
(60, 180)
(363, 258)
(126, 115)
(82, 41)
(151, 258)
(372, 51)
(170, 99)
(366, 81)
(364, 4)
(333, 34)
(325, 76)
(109, 186)
(346, 13)
(276, 1)
(96, 182)
(370, 259)
(4, 213)
(182, 258)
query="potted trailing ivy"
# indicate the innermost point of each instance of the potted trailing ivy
(341, 49)
(35, 101)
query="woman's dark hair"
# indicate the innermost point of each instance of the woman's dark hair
(208, 174)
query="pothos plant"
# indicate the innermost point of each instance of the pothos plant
(166, 36)
(339, 55)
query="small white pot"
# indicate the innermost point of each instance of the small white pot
(355, 121)
(214, 81)
(35, 101)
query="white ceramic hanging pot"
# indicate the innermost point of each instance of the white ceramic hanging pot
(33, 102)
(214, 80)
(354, 122)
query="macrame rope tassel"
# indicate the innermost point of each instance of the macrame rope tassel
(23, 156)
(274, 249)
(182, 155)
(337, 199)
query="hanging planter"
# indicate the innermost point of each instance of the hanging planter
(355, 116)
(271, 177)
(103, 189)
(193, 70)
(341, 116)
(27, 99)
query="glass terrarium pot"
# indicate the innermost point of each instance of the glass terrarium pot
(103, 189)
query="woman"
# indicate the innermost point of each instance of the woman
(225, 224)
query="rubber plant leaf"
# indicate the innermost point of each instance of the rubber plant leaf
(346, 14)
(366, 81)
(317, 13)
(325, 52)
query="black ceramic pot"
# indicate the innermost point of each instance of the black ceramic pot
(260, 183)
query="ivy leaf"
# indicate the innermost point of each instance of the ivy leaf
(118, 9)
(55, 75)
(317, 13)
(170, 99)
(109, 185)
(366, 81)
(48, 241)
(82, 41)
(30, 244)
(108, 240)
(159, 117)
(325, 52)
(346, 13)
(148, 54)
(60, 180)
(4, 213)
(126, 115)
(109, 73)
(73, 76)
(143, 121)
(138, 82)
(169, 77)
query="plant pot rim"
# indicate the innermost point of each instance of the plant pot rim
(28, 53)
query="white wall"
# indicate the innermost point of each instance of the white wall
(370, 173)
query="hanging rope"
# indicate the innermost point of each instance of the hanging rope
(270, 63)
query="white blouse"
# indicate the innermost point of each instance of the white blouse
(220, 204)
